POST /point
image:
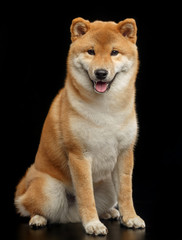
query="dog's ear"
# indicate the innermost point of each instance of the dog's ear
(79, 27)
(128, 29)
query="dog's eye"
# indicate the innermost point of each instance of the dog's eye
(91, 52)
(114, 53)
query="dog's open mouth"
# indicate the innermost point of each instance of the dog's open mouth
(101, 87)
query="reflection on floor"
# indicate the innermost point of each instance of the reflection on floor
(74, 231)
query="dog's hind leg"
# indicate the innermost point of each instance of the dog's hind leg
(37, 221)
(43, 198)
(112, 213)
(31, 202)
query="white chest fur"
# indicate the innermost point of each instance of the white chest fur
(103, 133)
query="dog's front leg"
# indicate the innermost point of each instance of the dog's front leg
(122, 177)
(82, 181)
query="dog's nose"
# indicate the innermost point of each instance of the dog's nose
(101, 74)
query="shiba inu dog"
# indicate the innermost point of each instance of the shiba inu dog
(84, 163)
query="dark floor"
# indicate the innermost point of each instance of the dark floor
(157, 227)
(75, 232)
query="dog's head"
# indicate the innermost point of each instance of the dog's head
(103, 55)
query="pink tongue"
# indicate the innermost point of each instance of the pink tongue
(101, 86)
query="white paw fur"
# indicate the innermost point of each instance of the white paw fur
(38, 221)
(136, 222)
(114, 213)
(111, 214)
(95, 228)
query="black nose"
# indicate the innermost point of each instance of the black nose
(101, 74)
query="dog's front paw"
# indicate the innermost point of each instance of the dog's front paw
(95, 228)
(133, 222)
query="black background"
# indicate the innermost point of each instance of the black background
(34, 41)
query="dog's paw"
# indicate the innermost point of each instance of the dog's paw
(112, 213)
(37, 221)
(135, 222)
(95, 228)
